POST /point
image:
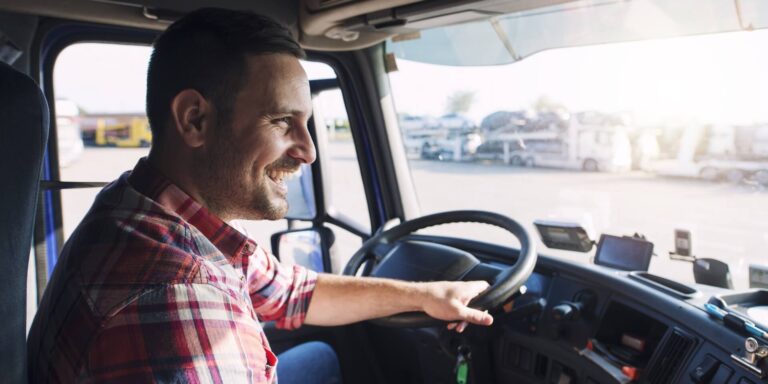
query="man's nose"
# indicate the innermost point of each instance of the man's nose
(303, 148)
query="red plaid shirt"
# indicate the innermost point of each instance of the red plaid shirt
(153, 287)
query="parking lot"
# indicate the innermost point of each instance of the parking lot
(728, 222)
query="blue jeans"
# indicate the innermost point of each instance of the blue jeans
(309, 363)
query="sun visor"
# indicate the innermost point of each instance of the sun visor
(506, 38)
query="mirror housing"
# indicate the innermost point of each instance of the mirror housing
(308, 247)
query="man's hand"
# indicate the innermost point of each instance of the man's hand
(448, 301)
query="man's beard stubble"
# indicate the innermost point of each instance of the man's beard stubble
(224, 183)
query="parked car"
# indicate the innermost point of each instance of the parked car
(412, 123)
(453, 121)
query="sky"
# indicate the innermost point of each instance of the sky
(88, 72)
(718, 79)
(711, 79)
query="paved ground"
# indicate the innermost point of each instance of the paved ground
(728, 222)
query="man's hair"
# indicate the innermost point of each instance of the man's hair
(206, 50)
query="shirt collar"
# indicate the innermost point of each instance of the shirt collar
(150, 182)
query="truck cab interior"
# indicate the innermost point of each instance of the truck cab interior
(604, 267)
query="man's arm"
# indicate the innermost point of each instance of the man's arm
(339, 300)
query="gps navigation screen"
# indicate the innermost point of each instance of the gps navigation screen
(624, 253)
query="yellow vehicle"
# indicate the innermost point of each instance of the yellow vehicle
(134, 133)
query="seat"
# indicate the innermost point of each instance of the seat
(23, 134)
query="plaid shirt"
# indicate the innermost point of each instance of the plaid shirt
(153, 287)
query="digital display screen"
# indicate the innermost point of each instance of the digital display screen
(625, 253)
(567, 236)
(559, 235)
(682, 242)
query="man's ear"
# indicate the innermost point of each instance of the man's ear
(191, 116)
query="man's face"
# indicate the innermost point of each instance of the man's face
(244, 165)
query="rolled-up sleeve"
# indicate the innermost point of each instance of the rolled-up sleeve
(279, 292)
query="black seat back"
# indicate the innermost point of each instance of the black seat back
(23, 134)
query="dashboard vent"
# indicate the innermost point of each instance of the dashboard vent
(670, 356)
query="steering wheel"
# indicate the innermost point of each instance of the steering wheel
(414, 260)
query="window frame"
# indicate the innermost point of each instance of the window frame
(51, 39)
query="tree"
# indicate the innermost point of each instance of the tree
(545, 104)
(459, 102)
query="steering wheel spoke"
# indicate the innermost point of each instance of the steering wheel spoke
(425, 261)
(484, 271)
(419, 260)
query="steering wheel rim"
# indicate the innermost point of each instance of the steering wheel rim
(504, 285)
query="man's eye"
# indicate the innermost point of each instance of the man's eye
(283, 120)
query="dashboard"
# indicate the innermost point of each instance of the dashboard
(576, 323)
(605, 326)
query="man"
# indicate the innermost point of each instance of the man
(154, 285)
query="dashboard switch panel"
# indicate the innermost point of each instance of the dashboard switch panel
(705, 370)
(723, 374)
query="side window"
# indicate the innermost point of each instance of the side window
(101, 127)
(344, 184)
(102, 131)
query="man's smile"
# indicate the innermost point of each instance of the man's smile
(280, 177)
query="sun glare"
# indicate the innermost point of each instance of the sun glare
(713, 79)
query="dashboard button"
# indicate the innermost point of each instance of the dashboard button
(722, 375)
(559, 374)
(524, 362)
(562, 378)
(705, 370)
(513, 353)
(744, 380)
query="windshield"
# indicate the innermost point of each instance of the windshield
(652, 137)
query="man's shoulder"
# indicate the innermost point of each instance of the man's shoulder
(127, 243)
(125, 247)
